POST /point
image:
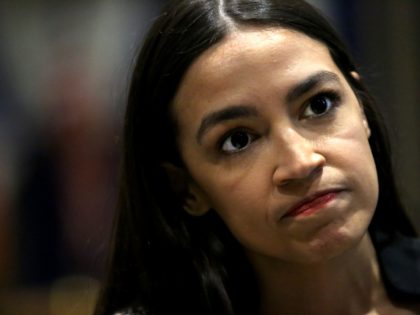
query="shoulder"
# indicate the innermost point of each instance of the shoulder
(400, 264)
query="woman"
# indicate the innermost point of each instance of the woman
(256, 176)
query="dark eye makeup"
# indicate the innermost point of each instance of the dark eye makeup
(236, 140)
(318, 106)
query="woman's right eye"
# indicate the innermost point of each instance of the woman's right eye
(236, 141)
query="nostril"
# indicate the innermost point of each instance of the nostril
(285, 182)
(300, 180)
(317, 170)
(299, 170)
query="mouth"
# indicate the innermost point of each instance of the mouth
(312, 204)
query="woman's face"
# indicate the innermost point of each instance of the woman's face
(275, 141)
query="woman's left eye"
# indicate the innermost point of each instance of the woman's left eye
(320, 105)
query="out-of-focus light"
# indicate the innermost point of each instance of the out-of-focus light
(75, 295)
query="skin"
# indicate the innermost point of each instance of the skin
(253, 149)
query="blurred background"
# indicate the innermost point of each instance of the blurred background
(64, 70)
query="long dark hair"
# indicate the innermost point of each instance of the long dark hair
(164, 261)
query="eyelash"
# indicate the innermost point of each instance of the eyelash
(251, 138)
(333, 97)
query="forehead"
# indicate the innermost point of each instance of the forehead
(247, 60)
(252, 43)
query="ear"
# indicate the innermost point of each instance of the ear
(366, 125)
(356, 76)
(194, 200)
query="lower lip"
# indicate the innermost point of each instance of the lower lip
(312, 206)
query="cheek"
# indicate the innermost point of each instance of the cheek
(232, 192)
(353, 156)
(239, 195)
(234, 180)
(349, 141)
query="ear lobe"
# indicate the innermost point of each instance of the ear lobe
(193, 198)
(366, 126)
(195, 202)
(355, 75)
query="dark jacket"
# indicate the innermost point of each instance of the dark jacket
(399, 261)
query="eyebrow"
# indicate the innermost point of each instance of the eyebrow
(310, 83)
(229, 113)
(243, 111)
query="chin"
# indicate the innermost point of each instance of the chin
(332, 243)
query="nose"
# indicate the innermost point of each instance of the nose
(298, 158)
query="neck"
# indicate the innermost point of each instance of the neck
(347, 285)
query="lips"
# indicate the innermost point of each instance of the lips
(311, 204)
